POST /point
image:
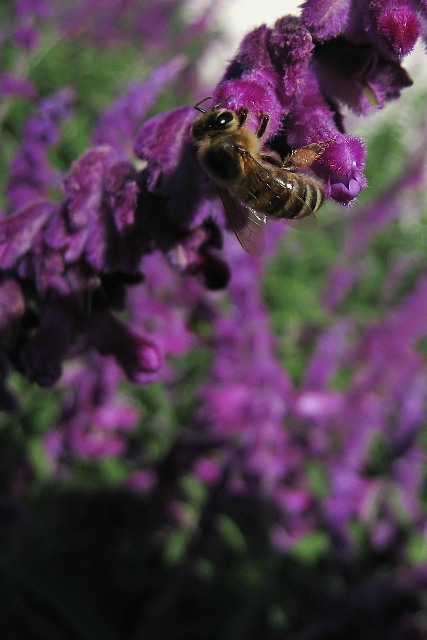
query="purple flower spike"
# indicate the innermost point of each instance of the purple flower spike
(43, 127)
(76, 260)
(329, 352)
(28, 15)
(299, 83)
(88, 210)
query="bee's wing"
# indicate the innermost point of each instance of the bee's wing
(264, 176)
(246, 224)
(307, 221)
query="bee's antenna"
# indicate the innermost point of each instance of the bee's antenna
(222, 102)
(196, 106)
(216, 106)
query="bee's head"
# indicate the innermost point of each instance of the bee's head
(212, 123)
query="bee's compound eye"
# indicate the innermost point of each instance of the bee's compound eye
(224, 119)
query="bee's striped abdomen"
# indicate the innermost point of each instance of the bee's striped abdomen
(297, 196)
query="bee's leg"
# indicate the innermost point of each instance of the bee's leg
(263, 126)
(288, 163)
(304, 157)
(275, 160)
(243, 114)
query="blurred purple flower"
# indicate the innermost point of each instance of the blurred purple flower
(95, 417)
(141, 481)
(27, 18)
(245, 402)
(341, 278)
(31, 174)
(11, 85)
(330, 348)
(208, 471)
(389, 204)
(32, 8)
(384, 400)
(150, 24)
(118, 125)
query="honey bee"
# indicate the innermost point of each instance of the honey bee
(254, 185)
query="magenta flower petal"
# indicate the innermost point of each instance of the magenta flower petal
(18, 232)
(400, 27)
(341, 167)
(83, 187)
(161, 142)
(326, 20)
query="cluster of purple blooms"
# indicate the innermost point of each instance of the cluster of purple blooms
(111, 277)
